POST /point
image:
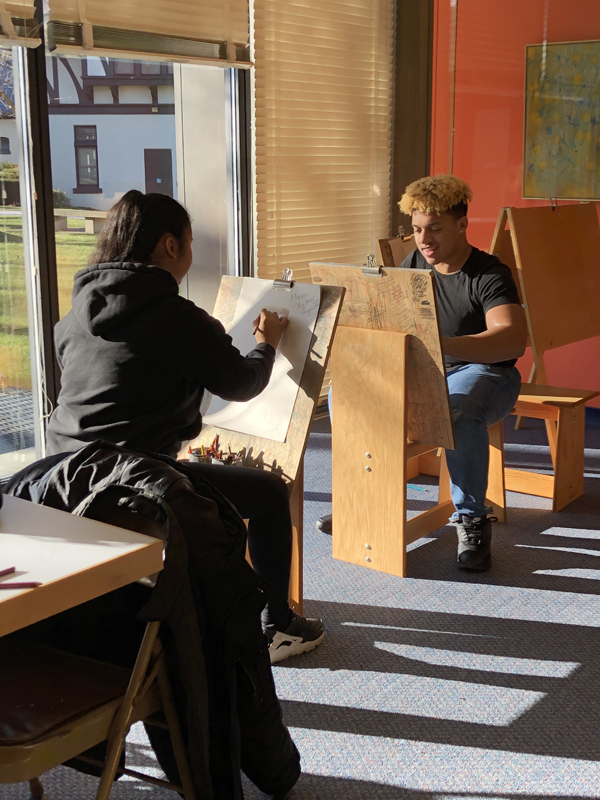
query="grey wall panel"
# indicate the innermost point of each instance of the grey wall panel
(203, 170)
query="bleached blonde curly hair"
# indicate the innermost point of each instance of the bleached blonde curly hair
(435, 195)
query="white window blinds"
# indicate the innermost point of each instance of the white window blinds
(323, 87)
(188, 30)
(18, 24)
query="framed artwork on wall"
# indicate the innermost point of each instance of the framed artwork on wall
(562, 121)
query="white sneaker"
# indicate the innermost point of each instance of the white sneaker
(300, 636)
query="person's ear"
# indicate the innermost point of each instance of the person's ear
(171, 246)
(464, 224)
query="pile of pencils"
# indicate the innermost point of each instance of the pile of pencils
(212, 454)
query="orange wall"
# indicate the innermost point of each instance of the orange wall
(486, 147)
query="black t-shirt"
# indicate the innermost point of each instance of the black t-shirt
(464, 297)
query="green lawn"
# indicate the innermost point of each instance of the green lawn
(72, 253)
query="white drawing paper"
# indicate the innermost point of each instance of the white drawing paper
(269, 414)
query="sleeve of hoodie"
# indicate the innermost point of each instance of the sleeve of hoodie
(218, 365)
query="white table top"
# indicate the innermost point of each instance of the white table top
(74, 558)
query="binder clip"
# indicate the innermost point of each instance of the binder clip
(285, 282)
(371, 268)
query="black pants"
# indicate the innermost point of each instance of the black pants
(261, 498)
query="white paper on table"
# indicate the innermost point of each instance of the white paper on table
(269, 414)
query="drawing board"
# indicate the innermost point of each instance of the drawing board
(268, 415)
(285, 458)
(401, 300)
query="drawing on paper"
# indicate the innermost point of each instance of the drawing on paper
(269, 414)
(562, 121)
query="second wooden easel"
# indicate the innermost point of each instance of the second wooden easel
(390, 404)
(552, 253)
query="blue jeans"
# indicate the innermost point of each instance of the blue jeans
(480, 395)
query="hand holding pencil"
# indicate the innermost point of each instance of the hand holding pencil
(269, 327)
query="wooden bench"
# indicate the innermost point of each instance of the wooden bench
(91, 221)
(564, 413)
(564, 409)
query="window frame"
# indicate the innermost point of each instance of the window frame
(43, 244)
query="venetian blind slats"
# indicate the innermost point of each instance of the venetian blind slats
(22, 10)
(323, 108)
(17, 21)
(199, 20)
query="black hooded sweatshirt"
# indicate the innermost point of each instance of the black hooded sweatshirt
(136, 358)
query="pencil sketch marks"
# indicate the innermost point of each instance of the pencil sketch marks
(401, 300)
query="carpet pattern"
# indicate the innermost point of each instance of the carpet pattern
(446, 685)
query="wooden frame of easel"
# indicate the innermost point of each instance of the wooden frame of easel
(547, 249)
(390, 404)
(284, 458)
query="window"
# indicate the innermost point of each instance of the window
(124, 67)
(141, 147)
(21, 394)
(151, 69)
(86, 160)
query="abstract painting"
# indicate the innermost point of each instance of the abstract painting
(562, 121)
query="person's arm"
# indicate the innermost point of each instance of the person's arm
(504, 339)
(212, 359)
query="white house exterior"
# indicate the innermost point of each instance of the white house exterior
(112, 128)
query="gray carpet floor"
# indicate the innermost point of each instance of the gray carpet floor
(446, 685)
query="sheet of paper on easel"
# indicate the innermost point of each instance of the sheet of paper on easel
(269, 414)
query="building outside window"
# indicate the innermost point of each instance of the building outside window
(4, 145)
(123, 119)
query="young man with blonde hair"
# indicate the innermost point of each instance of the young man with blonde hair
(483, 331)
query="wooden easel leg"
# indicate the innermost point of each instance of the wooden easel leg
(531, 379)
(496, 493)
(552, 433)
(444, 488)
(551, 426)
(569, 463)
(297, 512)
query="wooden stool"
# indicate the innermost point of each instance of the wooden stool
(564, 413)
(434, 463)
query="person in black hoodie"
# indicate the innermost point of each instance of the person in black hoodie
(136, 358)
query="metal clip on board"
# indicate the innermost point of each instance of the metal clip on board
(285, 282)
(371, 267)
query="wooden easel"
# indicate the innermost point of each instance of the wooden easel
(390, 404)
(551, 252)
(396, 248)
(284, 458)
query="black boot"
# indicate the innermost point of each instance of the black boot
(324, 524)
(474, 542)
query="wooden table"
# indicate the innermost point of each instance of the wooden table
(76, 560)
